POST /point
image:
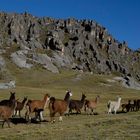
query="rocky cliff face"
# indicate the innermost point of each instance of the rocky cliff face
(73, 44)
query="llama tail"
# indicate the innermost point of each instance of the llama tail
(51, 104)
(108, 104)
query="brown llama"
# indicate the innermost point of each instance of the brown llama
(77, 104)
(20, 106)
(6, 112)
(37, 107)
(8, 102)
(59, 106)
(91, 104)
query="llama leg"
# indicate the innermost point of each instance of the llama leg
(79, 111)
(19, 114)
(28, 118)
(60, 119)
(41, 116)
(122, 110)
(91, 111)
(8, 122)
(15, 113)
(67, 112)
(70, 111)
(85, 109)
(109, 110)
(37, 115)
(26, 114)
(88, 111)
(115, 112)
(52, 114)
(3, 123)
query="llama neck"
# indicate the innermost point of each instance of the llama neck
(119, 101)
(96, 100)
(14, 104)
(23, 102)
(45, 102)
(82, 100)
(66, 98)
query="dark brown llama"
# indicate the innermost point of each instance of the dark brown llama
(137, 104)
(91, 104)
(77, 104)
(59, 106)
(8, 102)
(126, 106)
(20, 106)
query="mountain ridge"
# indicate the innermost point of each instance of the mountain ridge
(82, 45)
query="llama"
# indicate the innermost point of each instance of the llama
(6, 112)
(126, 107)
(20, 106)
(77, 104)
(113, 106)
(36, 106)
(59, 106)
(91, 104)
(8, 102)
(137, 104)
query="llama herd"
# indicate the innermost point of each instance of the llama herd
(66, 106)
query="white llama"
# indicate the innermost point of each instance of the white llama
(113, 106)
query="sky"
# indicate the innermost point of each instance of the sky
(120, 17)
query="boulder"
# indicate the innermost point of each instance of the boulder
(20, 59)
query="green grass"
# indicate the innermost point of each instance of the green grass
(36, 82)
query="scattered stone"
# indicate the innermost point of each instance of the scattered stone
(11, 84)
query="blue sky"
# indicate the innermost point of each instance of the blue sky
(120, 17)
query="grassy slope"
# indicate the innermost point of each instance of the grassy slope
(36, 82)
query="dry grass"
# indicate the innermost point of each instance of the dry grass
(35, 83)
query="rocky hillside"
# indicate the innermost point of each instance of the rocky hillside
(82, 45)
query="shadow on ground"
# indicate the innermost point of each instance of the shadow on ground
(24, 121)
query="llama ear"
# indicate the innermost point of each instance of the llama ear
(67, 90)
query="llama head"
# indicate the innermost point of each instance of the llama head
(12, 96)
(25, 98)
(119, 98)
(69, 92)
(83, 96)
(47, 97)
(98, 96)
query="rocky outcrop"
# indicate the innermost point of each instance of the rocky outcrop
(46, 62)
(128, 82)
(2, 62)
(20, 59)
(73, 44)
